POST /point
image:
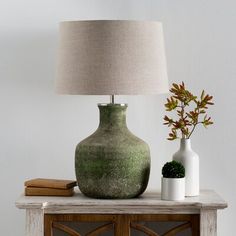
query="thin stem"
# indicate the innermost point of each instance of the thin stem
(196, 123)
(192, 130)
(182, 116)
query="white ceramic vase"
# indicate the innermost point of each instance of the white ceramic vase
(190, 161)
(172, 189)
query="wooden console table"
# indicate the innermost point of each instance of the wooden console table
(47, 216)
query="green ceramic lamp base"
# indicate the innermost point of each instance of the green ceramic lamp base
(112, 162)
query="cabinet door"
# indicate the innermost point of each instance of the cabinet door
(165, 225)
(79, 225)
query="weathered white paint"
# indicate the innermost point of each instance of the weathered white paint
(149, 201)
(208, 222)
(206, 204)
(34, 222)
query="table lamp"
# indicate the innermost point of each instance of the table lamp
(112, 57)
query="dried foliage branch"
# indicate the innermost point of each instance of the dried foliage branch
(187, 121)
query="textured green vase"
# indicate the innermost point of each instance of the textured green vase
(112, 162)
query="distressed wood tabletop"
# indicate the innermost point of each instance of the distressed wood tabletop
(149, 202)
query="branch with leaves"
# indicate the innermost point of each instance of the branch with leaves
(180, 101)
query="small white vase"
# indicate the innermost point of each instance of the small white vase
(172, 189)
(190, 161)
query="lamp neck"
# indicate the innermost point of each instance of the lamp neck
(112, 99)
(112, 116)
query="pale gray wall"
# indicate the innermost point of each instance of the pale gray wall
(39, 130)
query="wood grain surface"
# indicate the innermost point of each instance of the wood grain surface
(33, 191)
(50, 183)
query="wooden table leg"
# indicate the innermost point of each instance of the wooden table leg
(122, 225)
(34, 222)
(208, 222)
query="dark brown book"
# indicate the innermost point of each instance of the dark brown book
(32, 191)
(50, 183)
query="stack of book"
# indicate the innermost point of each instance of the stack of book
(49, 187)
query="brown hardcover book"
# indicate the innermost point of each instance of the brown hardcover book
(32, 191)
(50, 183)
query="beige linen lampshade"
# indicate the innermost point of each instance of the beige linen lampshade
(107, 57)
